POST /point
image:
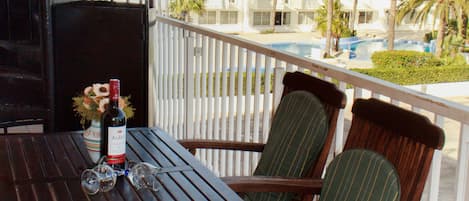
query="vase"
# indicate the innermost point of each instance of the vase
(92, 137)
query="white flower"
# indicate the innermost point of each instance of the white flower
(87, 90)
(103, 104)
(101, 89)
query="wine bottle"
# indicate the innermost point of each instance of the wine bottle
(113, 129)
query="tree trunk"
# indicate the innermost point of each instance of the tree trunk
(272, 15)
(462, 25)
(330, 9)
(392, 25)
(354, 13)
(336, 43)
(441, 36)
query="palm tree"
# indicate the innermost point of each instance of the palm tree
(330, 13)
(392, 24)
(181, 9)
(462, 13)
(272, 15)
(332, 27)
(354, 14)
(420, 10)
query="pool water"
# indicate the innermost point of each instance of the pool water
(360, 50)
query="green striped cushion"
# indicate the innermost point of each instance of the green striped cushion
(296, 138)
(363, 175)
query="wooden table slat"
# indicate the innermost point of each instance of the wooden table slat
(152, 140)
(208, 176)
(167, 161)
(162, 194)
(5, 173)
(177, 193)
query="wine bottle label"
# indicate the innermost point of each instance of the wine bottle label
(116, 145)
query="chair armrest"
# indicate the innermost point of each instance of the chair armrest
(191, 145)
(273, 184)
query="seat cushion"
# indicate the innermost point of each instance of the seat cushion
(297, 135)
(360, 174)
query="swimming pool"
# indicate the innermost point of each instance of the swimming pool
(361, 49)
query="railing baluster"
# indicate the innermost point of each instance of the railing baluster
(210, 99)
(170, 78)
(257, 92)
(357, 93)
(247, 112)
(463, 165)
(435, 170)
(203, 95)
(160, 76)
(339, 136)
(231, 106)
(289, 67)
(223, 106)
(266, 105)
(165, 77)
(278, 87)
(174, 77)
(217, 118)
(239, 108)
(181, 66)
(189, 80)
(197, 69)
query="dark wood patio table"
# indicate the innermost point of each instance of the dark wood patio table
(48, 167)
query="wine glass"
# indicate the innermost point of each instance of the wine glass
(101, 178)
(142, 175)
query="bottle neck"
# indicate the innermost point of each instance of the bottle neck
(114, 93)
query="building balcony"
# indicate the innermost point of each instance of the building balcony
(208, 85)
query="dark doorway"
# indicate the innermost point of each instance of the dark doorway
(278, 18)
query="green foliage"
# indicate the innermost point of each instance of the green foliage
(339, 24)
(403, 58)
(423, 75)
(268, 31)
(458, 59)
(181, 9)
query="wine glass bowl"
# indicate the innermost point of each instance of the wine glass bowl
(143, 176)
(101, 178)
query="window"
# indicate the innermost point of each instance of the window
(305, 17)
(228, 17)
(209, 17)
(365, 17)
(282, 18)
(261, 18)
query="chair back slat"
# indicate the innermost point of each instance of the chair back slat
(406, 139)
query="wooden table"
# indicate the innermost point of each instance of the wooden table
(48, 167)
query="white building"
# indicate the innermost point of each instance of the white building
(235, 16)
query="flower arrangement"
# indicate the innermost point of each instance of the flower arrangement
(94, 100)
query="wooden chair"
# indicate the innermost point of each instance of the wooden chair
(299, 89)
(407, 139)
(356, 174)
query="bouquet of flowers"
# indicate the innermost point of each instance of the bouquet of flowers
(94, 100)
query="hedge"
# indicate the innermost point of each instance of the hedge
(403, 59)
(423, 75)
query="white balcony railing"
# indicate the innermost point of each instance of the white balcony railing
(208, 85)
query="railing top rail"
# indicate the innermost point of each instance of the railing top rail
(428, 102)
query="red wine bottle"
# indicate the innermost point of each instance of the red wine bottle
(113, 129)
